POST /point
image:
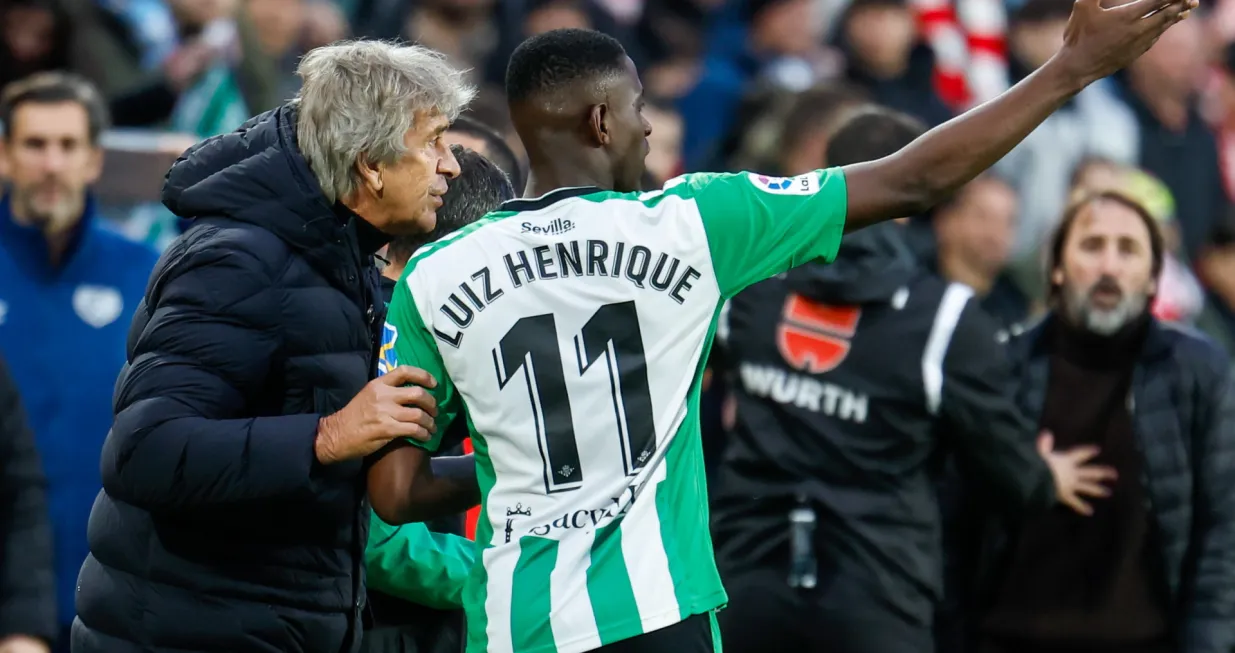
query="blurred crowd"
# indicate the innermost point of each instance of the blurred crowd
(730, 85)
(752, 85)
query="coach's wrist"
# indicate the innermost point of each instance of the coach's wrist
(325, 445)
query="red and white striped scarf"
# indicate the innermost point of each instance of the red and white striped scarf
(969, 38)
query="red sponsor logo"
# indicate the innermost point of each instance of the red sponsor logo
(814, 337)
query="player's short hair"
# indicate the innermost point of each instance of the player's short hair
(54, 88)
(499, 150)
(480, 187)
(872, 133)
(1157, 246)
(559, 57)
(360, 97)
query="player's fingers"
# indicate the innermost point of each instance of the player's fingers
(1097, 473)
(1138, 9)
(415, 416)
(416, 397)
(1082, 454)
(406, 374)
(1077, 506)
(1089, 489)
(1158, 22)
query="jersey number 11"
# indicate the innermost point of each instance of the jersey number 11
(611, 335)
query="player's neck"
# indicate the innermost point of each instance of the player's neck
(548, 174)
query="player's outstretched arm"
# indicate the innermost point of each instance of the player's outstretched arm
(1097, 42)
(407, 485)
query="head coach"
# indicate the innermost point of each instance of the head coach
(233, 513)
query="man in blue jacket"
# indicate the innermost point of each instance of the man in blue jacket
(68, 293)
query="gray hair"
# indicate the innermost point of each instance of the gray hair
(360, 98)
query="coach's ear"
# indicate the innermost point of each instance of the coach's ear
(370, 174)
(597, 125)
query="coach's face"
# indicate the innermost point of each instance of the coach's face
(410, 190)
(1106, 268)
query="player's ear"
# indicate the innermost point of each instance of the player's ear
(598, 126)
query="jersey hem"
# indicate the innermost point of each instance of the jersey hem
(635, 628)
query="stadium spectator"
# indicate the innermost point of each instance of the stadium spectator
(780, 42)
(70, 287)
(1153, 569)
(233, 515)
(974, 233)
(886, 57)
(27, 577)
(484, 140)
(416, 571)
(34, 37)
(218, 75)
(851, 380)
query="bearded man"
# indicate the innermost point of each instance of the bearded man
(1153, 569)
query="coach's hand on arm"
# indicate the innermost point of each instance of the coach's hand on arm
(384, 410)
(1098, 41)
(206, 339)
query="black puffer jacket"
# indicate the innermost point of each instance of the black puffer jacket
(217, 529)
(1183, 402)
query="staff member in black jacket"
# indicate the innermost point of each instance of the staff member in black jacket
(27, 581)
(852, 380)
(1153, 570)
(233, 516)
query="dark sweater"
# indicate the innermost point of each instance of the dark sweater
(1087, 581)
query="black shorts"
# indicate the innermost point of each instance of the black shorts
(766, 615)
(696, 634)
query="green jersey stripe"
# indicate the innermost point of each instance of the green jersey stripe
(477, 591)
(531, 602)
(608, 584)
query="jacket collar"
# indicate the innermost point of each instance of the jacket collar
(28, 247)
(1157, 343)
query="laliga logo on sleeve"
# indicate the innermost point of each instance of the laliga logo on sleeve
(807, 184)
(387, 359)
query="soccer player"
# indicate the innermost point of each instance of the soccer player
(570, 328)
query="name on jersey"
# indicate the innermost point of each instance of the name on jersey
(790, 389)
(638, 265)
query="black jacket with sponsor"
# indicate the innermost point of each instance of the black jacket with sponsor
(853, 380)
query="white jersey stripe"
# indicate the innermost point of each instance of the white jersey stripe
(572, 619)
(500, 566)
(646, 561)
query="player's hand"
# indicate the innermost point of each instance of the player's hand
(22, 644)
(1100, 41)
(383, 410)
(1074, 479)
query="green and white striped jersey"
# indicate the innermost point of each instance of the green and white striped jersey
(571, 332)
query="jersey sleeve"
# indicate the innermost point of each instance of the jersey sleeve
(406, 341)
(759, 226)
